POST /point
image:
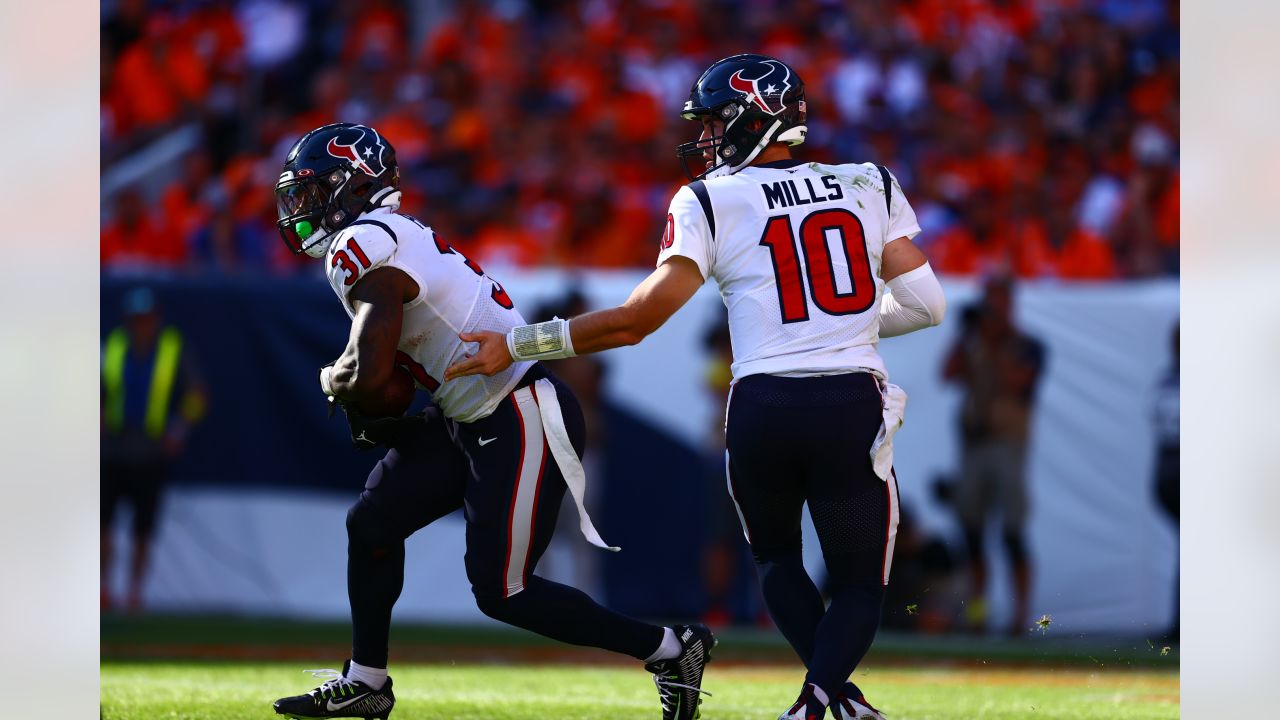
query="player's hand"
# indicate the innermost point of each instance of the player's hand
(370, 432)
(491, 358)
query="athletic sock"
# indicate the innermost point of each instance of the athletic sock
(668, 648)
(820, 694)
(373, 677)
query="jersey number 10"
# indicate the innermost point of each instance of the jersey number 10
(819, 264)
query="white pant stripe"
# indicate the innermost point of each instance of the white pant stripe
(525, 494)
(891, 531)
(728, 478)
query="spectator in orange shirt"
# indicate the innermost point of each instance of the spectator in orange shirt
(376, 36)
(1081, 255)
(133, 239)
(972, 245)
(184, 206)
(1030, 252)
(506, 240)
(157, 78)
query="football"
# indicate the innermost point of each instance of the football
(395, 398)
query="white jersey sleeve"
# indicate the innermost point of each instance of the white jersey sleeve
(688, 232)
(361, 247)
(902, 219)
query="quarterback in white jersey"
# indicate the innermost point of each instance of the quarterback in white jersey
(508, 452)
(803, 254)
(771, 230)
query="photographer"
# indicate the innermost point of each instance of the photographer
(998, 367)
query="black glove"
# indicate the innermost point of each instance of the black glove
(370, 432)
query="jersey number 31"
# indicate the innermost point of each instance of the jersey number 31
(819, 264)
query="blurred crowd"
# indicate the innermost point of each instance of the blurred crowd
(1036, 137)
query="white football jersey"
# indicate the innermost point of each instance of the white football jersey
(795, 248)
(454, 296)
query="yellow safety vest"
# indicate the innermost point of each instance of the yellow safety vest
(168, 352)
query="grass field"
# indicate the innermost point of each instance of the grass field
(225, 668)
(227, 691)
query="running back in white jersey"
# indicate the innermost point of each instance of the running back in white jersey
(795, 248)
(454, 296)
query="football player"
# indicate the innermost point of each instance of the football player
(508, 446)
(803, 253)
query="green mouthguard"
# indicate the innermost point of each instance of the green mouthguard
(304, 229)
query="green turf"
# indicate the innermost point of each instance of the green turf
(223, 691)
(205, 637)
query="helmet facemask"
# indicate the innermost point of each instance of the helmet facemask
(301, 207)
(310, 208)
(731, 150)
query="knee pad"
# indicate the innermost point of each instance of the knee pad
(1015, 546)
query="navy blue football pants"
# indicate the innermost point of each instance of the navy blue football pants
(500, 471)
(793, 441)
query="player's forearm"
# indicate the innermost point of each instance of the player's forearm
(589, 333)
(607, 329)
(651, 303)
(914, 301)
(367, 363)
(353, 380)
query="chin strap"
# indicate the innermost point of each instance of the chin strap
(727, 169)
(794, 136)
(386, 198)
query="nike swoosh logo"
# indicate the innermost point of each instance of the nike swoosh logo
(484, 442)
(333, 706)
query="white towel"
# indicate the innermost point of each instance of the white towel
(895, 409)
(570, 466)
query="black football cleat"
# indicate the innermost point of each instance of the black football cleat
(851, 704)
(679, 679)
(338, 697)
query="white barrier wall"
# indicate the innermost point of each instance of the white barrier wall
(1104, 557)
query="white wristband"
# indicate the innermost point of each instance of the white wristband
(326, 379)
(548, 340)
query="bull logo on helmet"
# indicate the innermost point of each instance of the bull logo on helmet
(767, 90)
(363, 151)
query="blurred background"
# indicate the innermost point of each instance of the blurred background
(1038, 141)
